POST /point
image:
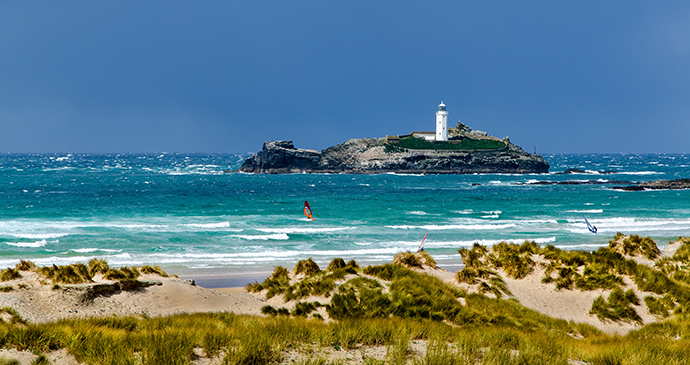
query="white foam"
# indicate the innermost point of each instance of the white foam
(586, 211)
(277, 236)
(641, 173)
(464, 211)
(492, 212)
(39, 235)
(487, 242)
(92, 249)
(35, 244)
(582, 246)
(417, 212)
(209, 225)
(300, 230)
(436, 227)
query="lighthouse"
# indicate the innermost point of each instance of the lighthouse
(442, 123)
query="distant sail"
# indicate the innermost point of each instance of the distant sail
(421, 247)
(591, 228)
(307, 210)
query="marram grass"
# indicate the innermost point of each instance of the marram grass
(239, 339)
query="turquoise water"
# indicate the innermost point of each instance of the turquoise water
(181, 211)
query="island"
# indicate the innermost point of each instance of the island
(458, 150)
(678, 184)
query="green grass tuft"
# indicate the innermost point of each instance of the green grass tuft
(618, 307)
(122, 274)
(146, 269)
(98, 266)
(67, 274)
(307, 267)
(25, 266)
(9, 274)
(335, 264)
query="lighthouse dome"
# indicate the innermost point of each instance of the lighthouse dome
(442, 107)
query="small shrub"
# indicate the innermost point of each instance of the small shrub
(146, 269)
(471, 257)
(307, 267)
(25, 266)
(304, 308)
(280, 273)
(635, 245)
(122, 274)
(407, 259)
(353, 264)
(41, 360)
(9, 274)
(67, 274)
(656, 307)
(15, 317)
(335, 264)
(254, 287)
(269, 310)
(6, 289)
(466, 275)
(98, 266)
(427, 260)
(617, 307)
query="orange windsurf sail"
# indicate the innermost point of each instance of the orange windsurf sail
(307, 210)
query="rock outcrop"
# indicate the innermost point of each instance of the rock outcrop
(370, 156)
(657, 185)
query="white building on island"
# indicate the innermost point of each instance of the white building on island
(442, 123)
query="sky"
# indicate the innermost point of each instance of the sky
(225, 76)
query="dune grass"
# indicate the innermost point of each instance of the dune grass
(9, 274)
(263, 340)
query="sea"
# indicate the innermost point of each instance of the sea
(193, 217)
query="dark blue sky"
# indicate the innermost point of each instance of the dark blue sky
(225, 76)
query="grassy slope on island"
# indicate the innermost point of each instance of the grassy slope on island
(465, 144)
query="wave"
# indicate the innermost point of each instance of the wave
(297, 230)
(435, 227)
(39, 235)
(277, 236)
(640, 172)
(35, 244)
(586, 211)
(417, 212)
(464, 211)
(631, 225)
(209, 225)
(91, 249)
(582, 246)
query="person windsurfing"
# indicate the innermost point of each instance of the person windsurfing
(591, 228)
(307, 210)
(421, 246)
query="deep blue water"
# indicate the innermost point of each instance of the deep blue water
(181, 211)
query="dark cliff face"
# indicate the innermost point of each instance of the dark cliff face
(678, 184)
(281, 157)
(368, 156)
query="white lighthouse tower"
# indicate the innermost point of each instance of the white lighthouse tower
(442, 123)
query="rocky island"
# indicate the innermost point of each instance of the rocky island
(466, 152)
(678, 184)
